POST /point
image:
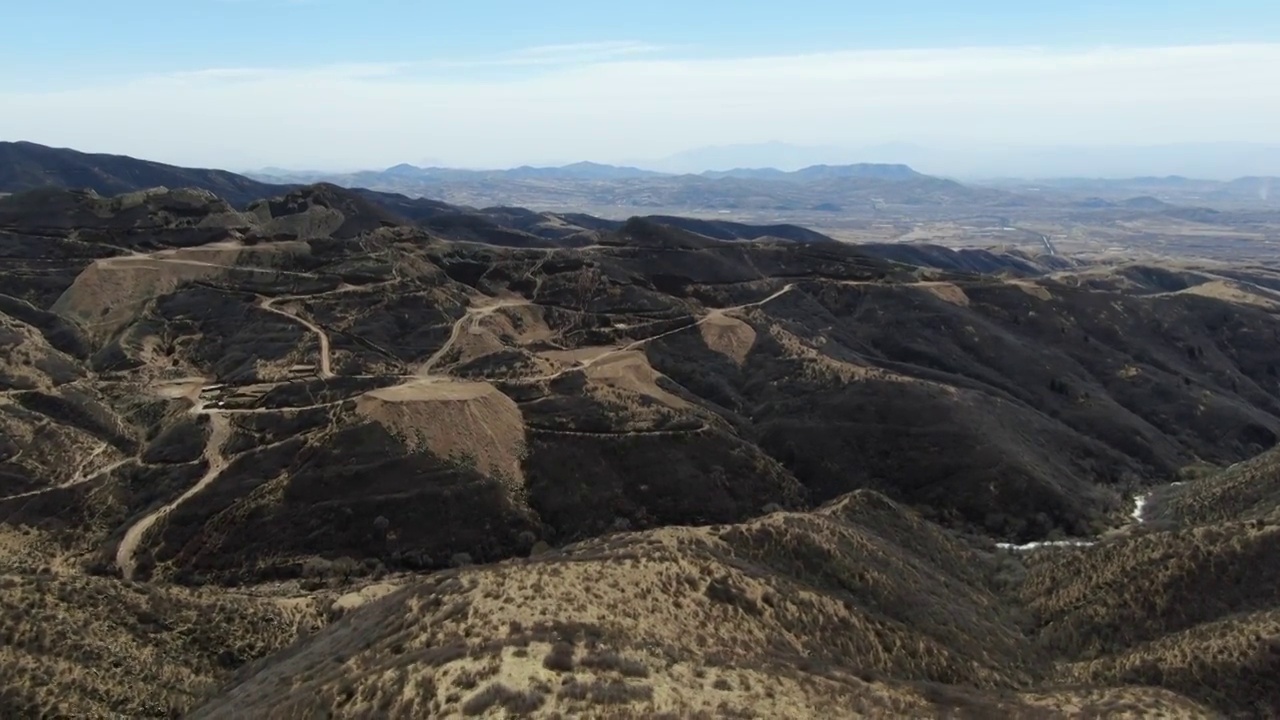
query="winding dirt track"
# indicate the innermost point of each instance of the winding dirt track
(326, 360)
(621, 433)
(326, 354)
(160, 256)
(126, 554)
(202, 409)
(713, 313)
(220, 429)
(473, 314)
(326, 364)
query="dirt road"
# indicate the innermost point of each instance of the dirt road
(473, 314)
(585, 364)
(326, 360)
(126, 554)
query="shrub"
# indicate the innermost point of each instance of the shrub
(560, 659)
(610, 693)
(615, 662)
(519, 704)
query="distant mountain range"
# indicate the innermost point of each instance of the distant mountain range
(1245, 192)
(580, 186)
(809, 196)
(783, 156)
(27, 167)
(586, 171)
(818, 188)
(1215, 161)
(606, 189)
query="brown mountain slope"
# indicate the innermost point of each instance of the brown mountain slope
(1193, 610)
(89, 647)
(1248, 491)
(1185, 599)
(310, 394)
(791, 615)
(235, 404)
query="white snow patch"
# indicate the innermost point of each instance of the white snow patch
(1140, 507)
(1045, 543)
(1140, 503)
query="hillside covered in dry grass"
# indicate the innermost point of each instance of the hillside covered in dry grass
(858, 609)
(531, 463)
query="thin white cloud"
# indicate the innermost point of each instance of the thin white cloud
(613, 47)
(607, 101)
(352, 71)
(566, 54)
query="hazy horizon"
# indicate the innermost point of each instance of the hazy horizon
(1207, 161)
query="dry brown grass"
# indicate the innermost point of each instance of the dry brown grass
(946, 292)
(1246, 491)
(1191, 610)
(833, 614)
(1230, 664)
(91, 647)
(1236, 292)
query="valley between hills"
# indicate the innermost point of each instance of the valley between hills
(338, 453)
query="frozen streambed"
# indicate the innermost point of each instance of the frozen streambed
(1140, 507)
(1046, 543)
(1139, 515)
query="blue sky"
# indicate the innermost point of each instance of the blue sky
(398, 66)
(77, 40)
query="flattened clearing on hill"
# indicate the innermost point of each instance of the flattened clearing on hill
(728, 336)
(451, 418)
